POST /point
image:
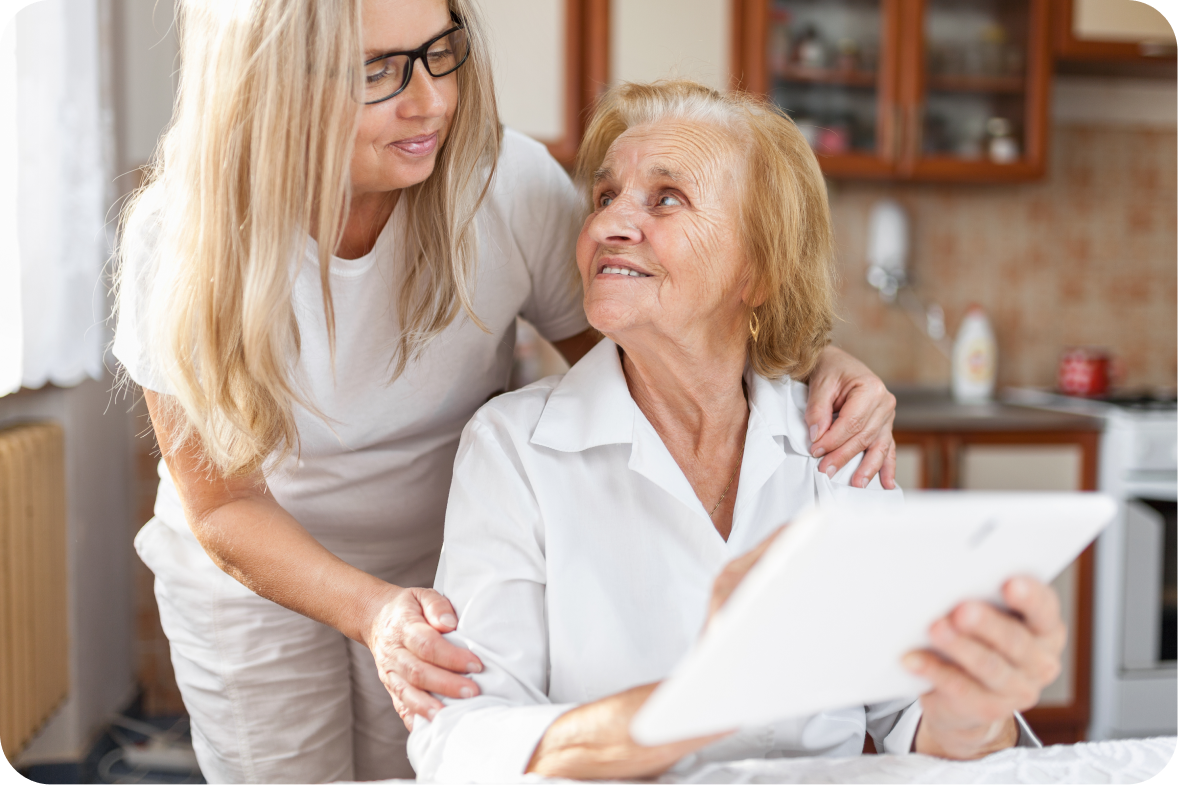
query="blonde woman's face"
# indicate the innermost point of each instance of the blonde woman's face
(660, 254)
(398, 140)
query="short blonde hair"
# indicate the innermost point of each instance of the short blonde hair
(784, 216)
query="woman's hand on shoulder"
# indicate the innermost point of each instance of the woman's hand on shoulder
(412, 657)
(840, 383)
(986, 665)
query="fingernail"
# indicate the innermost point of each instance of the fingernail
(818, 452)
(860, 483)
(971, 614)
(466, 692)
(448, 620)
(813, 432)
(912, 661)
(1019, 588)
(433, 713)
(831, 471)
(474, 667)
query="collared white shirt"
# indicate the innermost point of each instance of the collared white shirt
(580, 562)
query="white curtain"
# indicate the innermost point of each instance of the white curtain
(62, 191)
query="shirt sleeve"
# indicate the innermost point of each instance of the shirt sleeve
(493, 570)
(893, 727)
(137, 279)
(547, 221)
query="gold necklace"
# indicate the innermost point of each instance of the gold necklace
(730, 481)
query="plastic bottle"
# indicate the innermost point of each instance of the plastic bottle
(975, 358)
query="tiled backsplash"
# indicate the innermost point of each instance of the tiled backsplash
(1087, 256)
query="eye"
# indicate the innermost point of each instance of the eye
(670, 200)
(605, 200)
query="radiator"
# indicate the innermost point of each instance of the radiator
(34, 667)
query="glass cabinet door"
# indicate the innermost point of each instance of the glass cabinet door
(980, 94)
(828, 65)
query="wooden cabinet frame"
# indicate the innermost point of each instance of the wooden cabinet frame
(586, 71)
(940, 459)
(1068, 47)
(901, 92)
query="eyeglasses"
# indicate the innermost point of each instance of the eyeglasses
(387, 75)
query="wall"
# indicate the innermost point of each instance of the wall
(1084, 257)
(98, 536)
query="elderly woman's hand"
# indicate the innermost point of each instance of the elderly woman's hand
(987, 665)
(866, 409)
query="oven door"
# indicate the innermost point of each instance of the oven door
(1148, 640)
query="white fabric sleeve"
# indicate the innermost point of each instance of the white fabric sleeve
(547, 223)
(137, 280)
(493, 570)
(893, 727)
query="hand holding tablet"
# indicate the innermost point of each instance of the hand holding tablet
(845, 592)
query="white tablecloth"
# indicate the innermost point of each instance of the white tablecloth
(1094, 763)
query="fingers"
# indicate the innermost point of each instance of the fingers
(409, 701)
(425, 677)
(438, 610)
(873, 461)
(1037, 602)
(956, 697)
(864, 420)
(887, 475)
(820, 405)
(986, 666)
(427, 644)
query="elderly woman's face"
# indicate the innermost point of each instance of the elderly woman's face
(661, 253)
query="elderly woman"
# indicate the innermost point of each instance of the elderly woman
(590, 515)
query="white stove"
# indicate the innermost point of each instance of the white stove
(1134, 678)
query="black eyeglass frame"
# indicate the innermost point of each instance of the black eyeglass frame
(419, 54)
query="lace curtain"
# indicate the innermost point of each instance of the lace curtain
(55, 175)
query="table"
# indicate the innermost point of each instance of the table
(1094, 763)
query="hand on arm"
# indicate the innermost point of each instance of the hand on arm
(987, 664)
(840, 383)
(252, 538)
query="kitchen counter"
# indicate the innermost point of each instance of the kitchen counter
(933, 409)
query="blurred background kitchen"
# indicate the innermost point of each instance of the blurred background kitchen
(1018, 156)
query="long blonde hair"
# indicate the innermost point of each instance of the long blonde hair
(785, 222)
(256, 159)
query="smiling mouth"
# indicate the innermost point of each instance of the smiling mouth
(610, 269)
(418, 145)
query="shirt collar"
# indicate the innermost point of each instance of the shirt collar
(591, 406)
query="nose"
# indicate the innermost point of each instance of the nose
(616, 224)
(421, 97)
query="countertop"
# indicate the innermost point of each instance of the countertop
(933, 409)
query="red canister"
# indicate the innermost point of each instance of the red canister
(1084, 372)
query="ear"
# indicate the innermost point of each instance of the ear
(750, 290)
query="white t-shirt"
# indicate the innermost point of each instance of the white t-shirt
(370, 483)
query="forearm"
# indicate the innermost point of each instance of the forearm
(593, 742)
(260, 544)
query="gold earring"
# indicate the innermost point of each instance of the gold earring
(754, 326)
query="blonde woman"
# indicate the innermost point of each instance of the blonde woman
(318, 288)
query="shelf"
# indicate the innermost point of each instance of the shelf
(976, 84)
(831, 76)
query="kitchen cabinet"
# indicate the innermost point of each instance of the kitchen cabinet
(941, 445)
(947, 90)
(1111, 30)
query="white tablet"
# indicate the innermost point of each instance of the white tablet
(822, 621)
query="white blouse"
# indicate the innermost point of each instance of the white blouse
(581, 562)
